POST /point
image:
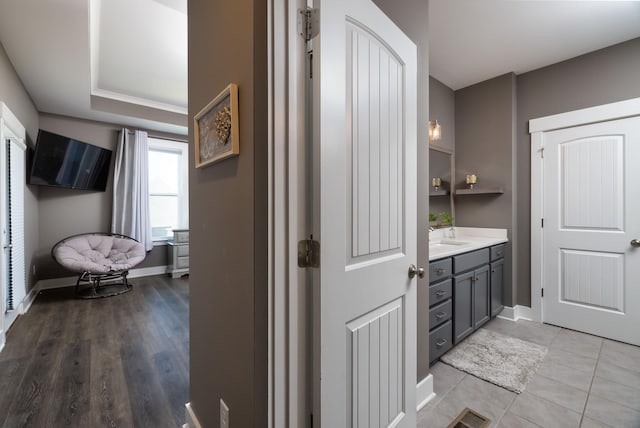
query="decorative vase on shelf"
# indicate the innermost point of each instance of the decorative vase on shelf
(472, 180)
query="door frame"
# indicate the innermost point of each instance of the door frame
(537, 129)
(289, 366)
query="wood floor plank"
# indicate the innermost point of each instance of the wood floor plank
(22, 335)
(175, 383)
(175, 326)
(109, 394)
(34, 396)
(115, 362)
(149, 405)
(72, 389)
(11, 373)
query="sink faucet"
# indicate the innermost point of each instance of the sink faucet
(431, 228)
(452, 232)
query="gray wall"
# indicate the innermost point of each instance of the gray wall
(485, 118)
(228, 218)
(412, 17)
(66, 212)
(442, 106)
(604, 76)
(14, 95)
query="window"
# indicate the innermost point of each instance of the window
(168, 187)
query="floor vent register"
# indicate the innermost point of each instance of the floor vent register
(470, 419)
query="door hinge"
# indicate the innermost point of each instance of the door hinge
(308, 23)
(542, 152)
(308, 253)
(542, 292)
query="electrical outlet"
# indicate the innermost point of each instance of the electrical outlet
(224, 414)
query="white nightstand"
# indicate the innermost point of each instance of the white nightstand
(178, 253)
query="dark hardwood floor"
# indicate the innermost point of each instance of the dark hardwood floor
(120, 361)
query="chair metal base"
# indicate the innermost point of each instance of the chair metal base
(93, 287)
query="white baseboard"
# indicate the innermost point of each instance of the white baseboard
(424, 391)
(29, 298)
(516, 313)
(191, 418)
(69, 281)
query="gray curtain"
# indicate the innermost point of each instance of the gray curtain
(130, 215)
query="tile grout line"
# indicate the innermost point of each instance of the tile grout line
(514, 398)
(595, 369)
(507, 409)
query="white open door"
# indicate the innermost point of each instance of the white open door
(591, 229)
(364, 126)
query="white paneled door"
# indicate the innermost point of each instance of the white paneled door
(591, 234)
(364, 109)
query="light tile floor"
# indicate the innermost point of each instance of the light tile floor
(584, 381)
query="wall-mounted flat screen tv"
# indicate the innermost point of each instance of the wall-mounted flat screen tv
(64, 162)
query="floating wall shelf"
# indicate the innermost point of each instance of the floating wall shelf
(481, 191)
(438, 192)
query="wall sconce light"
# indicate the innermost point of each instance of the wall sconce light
(435, 131)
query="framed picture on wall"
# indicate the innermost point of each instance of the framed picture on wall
(216, 128)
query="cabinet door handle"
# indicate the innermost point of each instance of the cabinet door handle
(493, 271)
(440, 293)
(439, 271)
(440, 343)
(441, 315)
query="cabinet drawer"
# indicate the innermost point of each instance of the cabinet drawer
(497, 252)
(180, 236)
(439, 341)
(182, 262)
(440, 269)
(467, 261)
(440, 292)
(439, 314)
(182, 250)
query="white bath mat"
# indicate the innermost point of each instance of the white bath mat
(502, 360)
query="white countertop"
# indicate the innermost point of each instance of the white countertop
(442, 243)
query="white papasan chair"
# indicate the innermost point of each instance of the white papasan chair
(98, 257)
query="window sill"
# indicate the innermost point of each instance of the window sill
(160, 242)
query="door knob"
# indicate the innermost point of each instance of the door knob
(635, 242)
(413, 270)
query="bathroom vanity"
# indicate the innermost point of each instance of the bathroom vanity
(466, 276)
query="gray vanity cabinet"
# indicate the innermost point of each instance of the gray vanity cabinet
(471, 302)
(481, 297)
(440, 308)
(465, 291)
(497, 281)
(463, 307)
(471, 292)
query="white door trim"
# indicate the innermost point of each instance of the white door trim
(537, 128)
(617, 110)
(288, 388)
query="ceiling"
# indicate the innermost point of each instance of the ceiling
(125, 62)
(117, 61)
(474, 40)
